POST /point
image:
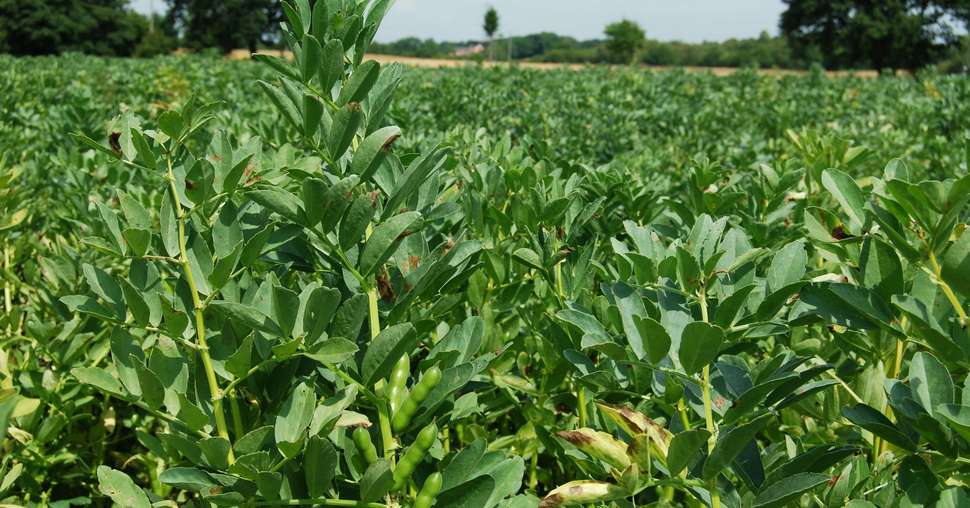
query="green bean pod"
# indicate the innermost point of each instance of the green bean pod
(397, 389)
(409, 408)
(364, 445)
(429, 491)
(414, 455)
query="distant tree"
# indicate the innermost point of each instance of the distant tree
(490, 26)
(893, 34)
(160, 38)
(624, 40)
(225, 24)
(39, 27)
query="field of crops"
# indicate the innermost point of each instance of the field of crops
(327, 282)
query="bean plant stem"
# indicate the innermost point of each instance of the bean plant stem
(947, 290)
(383, 415)
(236, 415)
(846, 387)
(682, 409)
(708, 410)
(581, 403)
(321, 502)
(215, 394)
(7, 298)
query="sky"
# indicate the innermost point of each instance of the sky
(685, 20)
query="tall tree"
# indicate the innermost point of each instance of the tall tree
(624, 40)
(225, 24)
(893, 34)
(40, 27)
(490, 26)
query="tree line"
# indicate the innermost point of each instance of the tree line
(835, 34)
(113, 28)
(764, 51)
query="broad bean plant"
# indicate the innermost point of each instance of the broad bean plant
(321, 281)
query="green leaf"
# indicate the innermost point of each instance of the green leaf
(957, 418)
(731, 443)
(319, 20)
(630, 305)
(360, 83)
(226, 233)
(87, 305)
(475, 492)
(247, 315)
(384, 240)
(312, 115)
(881, 268)
(355, 221)
(787, 267)
(294, 418)
(751, 398)
(868, 418)
(169, 227)
(346, 121)
(286, 307)
(320, 464)
(152, 391)
(312, 56)
(190, 414)
(282, 103)
(136, 214)
(930, 382)
(789, 488)
(683, 447)
(847, 192)
(277, 64)
(385, 350)
(587, 323)
(121, 489)
(7, 407)
(656, 340)
(371, 152)
(953, 497)
(99, 378)
(376, 482)
(279, 201)
(254, 441)
(216, 452)
(528, 257)
(332, 64)
(188, 478)
(107, 288)
(255, 245)
(332, 351)
(956, 265)
(349, 317)
(416, 175)
(293, 17)
(699, 345)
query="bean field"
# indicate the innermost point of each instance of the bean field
(329, 282)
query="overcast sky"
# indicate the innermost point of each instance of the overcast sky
(686, 20)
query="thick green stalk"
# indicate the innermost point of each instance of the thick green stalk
(222, 429)
(581, 403)
(708, 410)
(236, 415)
(383, 415)
(7, 298)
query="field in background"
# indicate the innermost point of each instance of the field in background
(437, 63)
